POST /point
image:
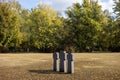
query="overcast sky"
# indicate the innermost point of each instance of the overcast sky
(62, 5)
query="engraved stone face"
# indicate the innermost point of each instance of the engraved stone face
(56, 61)
(70, 63)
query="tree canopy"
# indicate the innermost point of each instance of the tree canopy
(86, 28)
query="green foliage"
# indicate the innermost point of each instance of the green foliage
(9, 26)
(86, 22)
(86, 28)
(115, 46)
(117, 8)
(45, 27)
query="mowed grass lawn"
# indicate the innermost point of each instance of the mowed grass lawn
(38, 66)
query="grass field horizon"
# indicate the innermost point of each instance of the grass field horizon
(39, 66)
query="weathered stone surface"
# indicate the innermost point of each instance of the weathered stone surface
(56, 61)
(63, 62)
(70, 63)
(63, 58)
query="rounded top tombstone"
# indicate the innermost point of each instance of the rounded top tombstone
(70, 57)
(56, 55)
(63, 55)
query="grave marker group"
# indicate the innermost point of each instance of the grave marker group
(63, 62)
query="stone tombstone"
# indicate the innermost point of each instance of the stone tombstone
(63, 60)
(56, 61)
(70, 58)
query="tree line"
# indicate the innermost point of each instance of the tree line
(85, 28)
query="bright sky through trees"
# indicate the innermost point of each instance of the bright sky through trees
(62, 5)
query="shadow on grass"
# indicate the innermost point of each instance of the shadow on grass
(45, 72)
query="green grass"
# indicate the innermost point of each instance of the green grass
(88, 66)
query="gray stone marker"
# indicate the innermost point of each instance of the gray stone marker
(70, 63)
(56, 61)
(63, 60)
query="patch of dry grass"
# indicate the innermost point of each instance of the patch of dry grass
(22, 59)
(88, 66)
